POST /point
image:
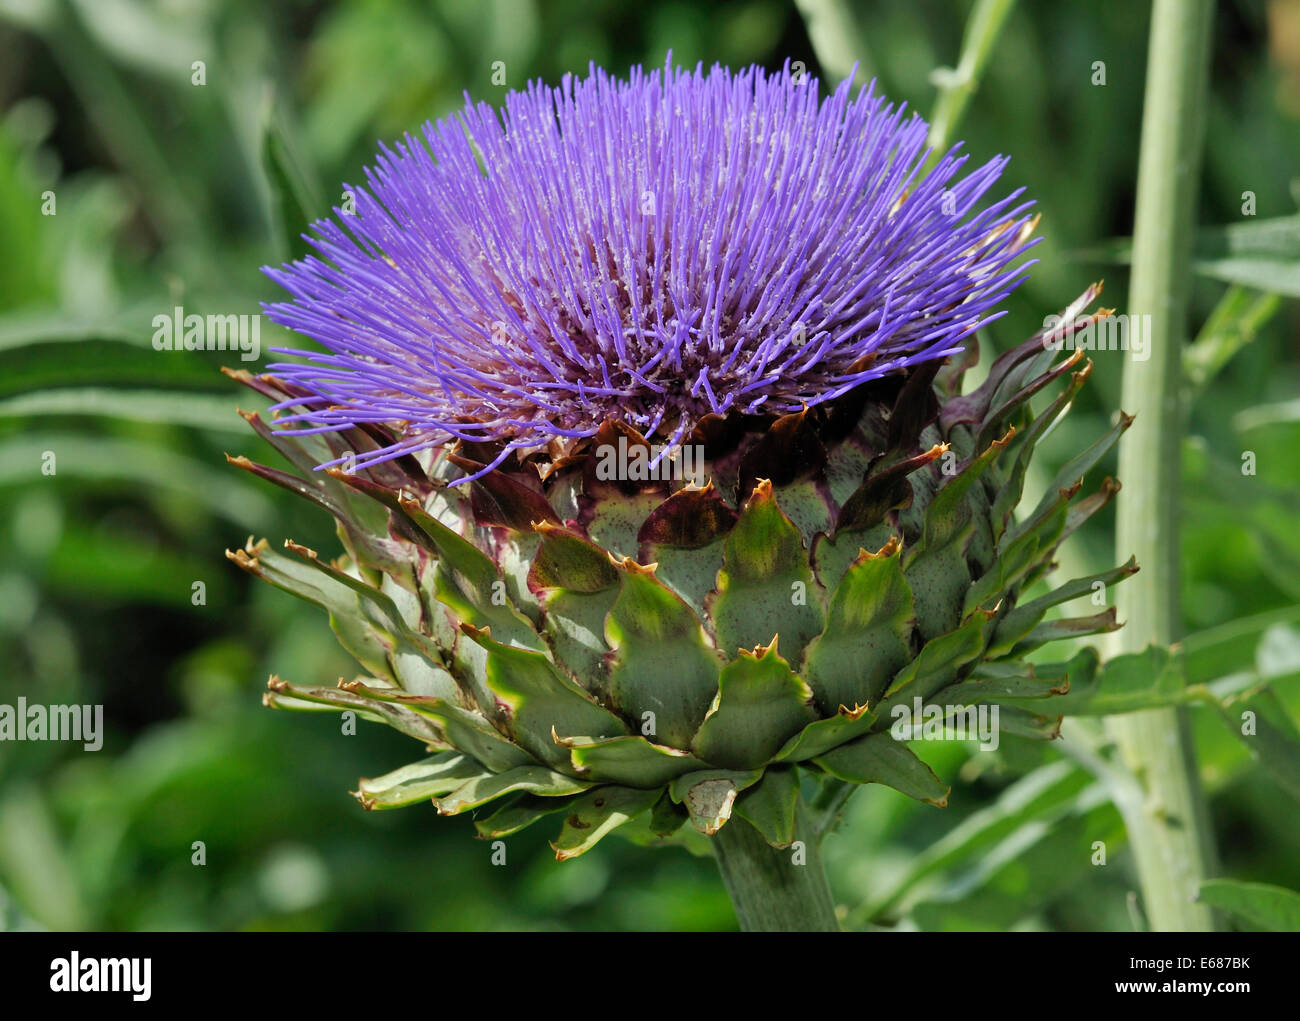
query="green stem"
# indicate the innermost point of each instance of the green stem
(957, 86)
(1167, 826)
(775, 890)
(833, 32)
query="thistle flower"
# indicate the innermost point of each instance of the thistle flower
(727, 261)
(650, 252)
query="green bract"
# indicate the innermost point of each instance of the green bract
(563, 642)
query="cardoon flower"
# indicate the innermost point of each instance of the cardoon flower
(640, 412)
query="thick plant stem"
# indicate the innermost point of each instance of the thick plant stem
(774, 890)
(1167, 827)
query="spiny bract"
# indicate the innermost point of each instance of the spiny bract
(668, 649)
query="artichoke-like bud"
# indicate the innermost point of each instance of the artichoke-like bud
(653, 509)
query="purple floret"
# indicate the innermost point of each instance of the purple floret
(650, 250)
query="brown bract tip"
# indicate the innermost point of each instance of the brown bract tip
(760, 651)
(302, 551)
(631, 566)
(563, 742)
(887, 550)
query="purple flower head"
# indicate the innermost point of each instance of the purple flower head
(650, 250)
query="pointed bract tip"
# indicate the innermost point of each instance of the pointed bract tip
(760, 651)
(630, 565)
(563, 742)
(887, 550)
(302, 551)
(476, 633)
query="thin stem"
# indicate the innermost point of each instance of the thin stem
(1171, 839)
(775, 890)
(833, 32)
(957, 86)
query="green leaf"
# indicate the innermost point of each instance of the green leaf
(538, 704)
(480, 790)
(519, 814)
(878, 758)
(136, 466)
(38, 870)
(1272, 908)
(710, 794)
(867, 626)
(1016, 625)
(1137, 680)
(936, 665)
(1027, 870)
(283, 695)
(1264, 254)
(760, 704)
(295, 196)
(1234, 323)
(992, 682)
(100, 362)
(629, 760)
(462, 728)
(1009, 495)
(576, 586)
(1067, 478)
(1269, 734)
(1031, 801)
(662, 663)
(367, 622)
(769, 806)
(1066, 628)
(939, 579)
(197, 411)
(824, 735)
(574, 627)
(766, 586)
(598, 813)
(667, 817)
(565, 560)
(467, 581)
(420, 781)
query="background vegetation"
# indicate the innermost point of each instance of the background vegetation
(174, 193)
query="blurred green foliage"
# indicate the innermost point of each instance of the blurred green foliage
(168, 192)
